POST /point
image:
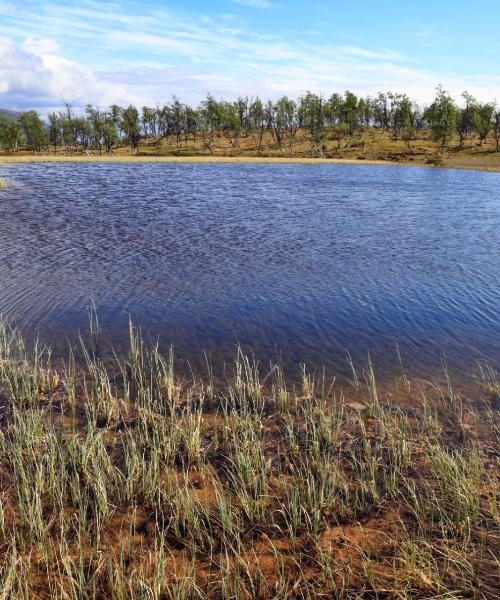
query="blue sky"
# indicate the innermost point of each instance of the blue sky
(53, 51)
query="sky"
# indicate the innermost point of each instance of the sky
(126, 51)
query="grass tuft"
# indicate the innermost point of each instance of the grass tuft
(120, 479)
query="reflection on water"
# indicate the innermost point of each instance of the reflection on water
(305, 261)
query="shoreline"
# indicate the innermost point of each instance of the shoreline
(147, 474)
(220, 159)
(217, 159)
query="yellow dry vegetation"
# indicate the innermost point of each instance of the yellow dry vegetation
(370, 147)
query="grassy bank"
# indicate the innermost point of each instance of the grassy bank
(123, 481)
(370, 147)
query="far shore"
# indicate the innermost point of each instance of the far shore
(479, 164)
(144, 158)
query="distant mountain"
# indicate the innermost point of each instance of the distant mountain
(11, 115)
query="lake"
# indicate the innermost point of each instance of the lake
(305, 262)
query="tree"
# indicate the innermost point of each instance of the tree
(34, 131)
(381, 111)
(149, 123)
(68, 128)
(441, 116)
(288, 111)
(392, 104)
(116, 116)
(109, 136)
(210, 121)
(96, 121)
(231, 123)
(365, 109)
(54, 132)
(257, 119)
(10, 135)
(404, 120)
(192, 123)
(402, 116)
(496, 129)
(178, 116)
(277, 123)
(312, 117)
(465, 118)
(333, 110)
(350, 111)
(131, 128)
(164, 124)
(482, 120)
(84, 133)
(244, 114)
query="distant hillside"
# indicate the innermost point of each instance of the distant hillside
(12, 115)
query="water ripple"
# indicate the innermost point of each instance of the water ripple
(298, 259)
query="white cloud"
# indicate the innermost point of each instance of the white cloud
(40, 47)
(148, 57)
(32, 76)
(254, 3)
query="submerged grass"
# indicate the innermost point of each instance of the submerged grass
(121, 480)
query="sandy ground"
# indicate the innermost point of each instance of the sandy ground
(469, 163)
(44, 158)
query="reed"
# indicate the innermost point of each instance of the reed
(121, 479)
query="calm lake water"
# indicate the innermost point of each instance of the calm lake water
(302, 261)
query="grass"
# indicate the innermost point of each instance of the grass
(370, 147)
(123, 480)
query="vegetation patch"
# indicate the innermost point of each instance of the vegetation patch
(389, 127)
(122, 480)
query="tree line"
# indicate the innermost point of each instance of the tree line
(341, 116)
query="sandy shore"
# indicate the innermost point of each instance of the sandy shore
(450, 163)
(44, 158)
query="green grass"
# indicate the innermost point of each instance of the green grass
(123, 480)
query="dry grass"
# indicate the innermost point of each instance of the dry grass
(371, 147)
(124, 481)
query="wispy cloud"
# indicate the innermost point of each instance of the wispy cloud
(97, 52)
(254, 3)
